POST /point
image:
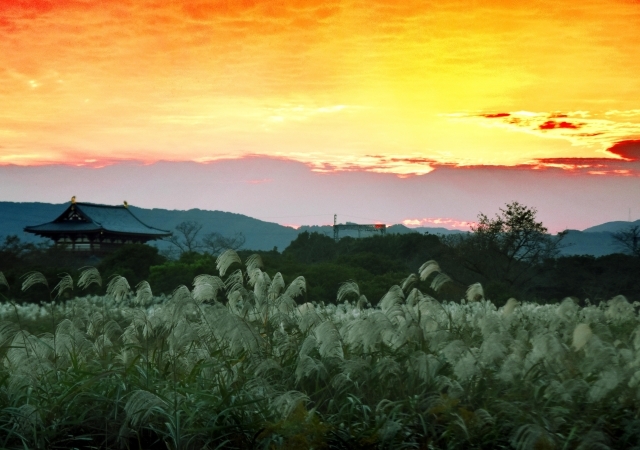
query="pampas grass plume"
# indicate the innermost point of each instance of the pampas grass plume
(475, 292)
(226, 259)
(33, 278)
(89, 276)
(3, 281)
(581, 336)
(510, 306)
(428, 268)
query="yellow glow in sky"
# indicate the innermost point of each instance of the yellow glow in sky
(383, 86)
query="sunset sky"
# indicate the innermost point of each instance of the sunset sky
(410, 112)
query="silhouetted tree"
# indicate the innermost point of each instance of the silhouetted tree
(215, 242)
(628, 240)
(185, 237)
(508, 248)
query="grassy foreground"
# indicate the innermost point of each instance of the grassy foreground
(236, 362)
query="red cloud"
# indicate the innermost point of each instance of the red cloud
(495, 116)
(629, 150)
(552, 124)
(592, 162)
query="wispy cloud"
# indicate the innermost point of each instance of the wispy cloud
(439, 222)
(402, 166)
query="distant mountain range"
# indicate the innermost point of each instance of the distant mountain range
(261, 235)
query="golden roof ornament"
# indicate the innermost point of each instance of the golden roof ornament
(126, 205)
(73, 200)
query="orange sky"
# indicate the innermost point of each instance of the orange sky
(375, 85)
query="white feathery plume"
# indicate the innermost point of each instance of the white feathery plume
(636, 338)
(296, 288)
(180, 300)
(362, 302)
(493, 349)
(204, 292)
(386, 367)
(581, 335)
(89, 276)
(393, 297)
(454, 351)
(252, 263)
(308, 317)
(112, 329)
(235, 281)
(239, 334)
(3, 281)
(424, 365)
(71, 342)
(466, 367)
(33, 278)
(182, 336)
(510, 306)
(567, 309)
(635, 380)
(440, 280)
(214, 281)
(347, 289)
(409, 282)
(483, 417)
(266, 366)
(118, 288)
(225, 260)
(261, 284)
(367, 333)
(428, 268)
(253, 275)
(329, 340)
(25, 345)
(415, 297)
(7, 331)
(276, 287)
(66, 282)
(235, 302)
(141, 405)
(288, 402)
(308, 366)
(143, 294)
(619, 309)
(607, 382)
(102, 344)
(286, 304)
(206, 287)
(475, 293)
(308, 345)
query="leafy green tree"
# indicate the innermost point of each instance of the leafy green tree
(166, 277)
(311, 248)
(132, 261)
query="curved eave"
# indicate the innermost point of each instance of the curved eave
(59, 232)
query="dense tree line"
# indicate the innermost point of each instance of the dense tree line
(511, 255)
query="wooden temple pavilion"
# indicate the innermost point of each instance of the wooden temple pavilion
(97, 228)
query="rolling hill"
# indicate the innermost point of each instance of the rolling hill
(261, 235)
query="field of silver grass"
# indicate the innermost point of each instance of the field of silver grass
(238, 361)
